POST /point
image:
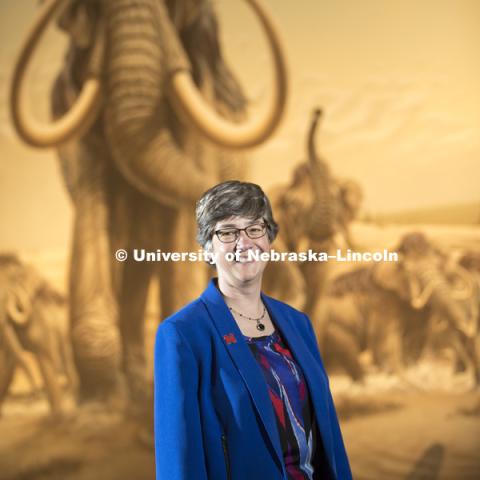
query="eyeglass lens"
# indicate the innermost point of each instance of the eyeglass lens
(231, 234)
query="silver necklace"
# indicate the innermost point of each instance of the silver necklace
(260, 325)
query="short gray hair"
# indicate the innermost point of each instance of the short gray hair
(228, 199)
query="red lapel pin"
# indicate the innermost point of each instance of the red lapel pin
(230, 338)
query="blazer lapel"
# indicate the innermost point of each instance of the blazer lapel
(316, 379)
(245, 362)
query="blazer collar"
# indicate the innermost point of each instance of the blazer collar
(251, 373)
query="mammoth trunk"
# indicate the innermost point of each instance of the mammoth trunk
(322, 216)
(321, 219)
(143, 51)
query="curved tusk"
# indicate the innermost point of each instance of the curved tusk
(18, 306)
(420, 298)
(466, 291)
(469, 329)
(252, 132)
(83, 112)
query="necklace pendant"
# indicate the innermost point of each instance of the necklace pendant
(261, 327)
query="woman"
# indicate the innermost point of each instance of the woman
(240, 388)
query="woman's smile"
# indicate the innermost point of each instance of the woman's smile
(247, 256)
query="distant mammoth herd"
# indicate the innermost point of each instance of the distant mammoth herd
(147, 116)
(394, 310)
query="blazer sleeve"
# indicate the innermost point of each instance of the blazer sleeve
(341, 459)
(179, 451)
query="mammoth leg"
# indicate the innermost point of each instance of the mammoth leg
(284, 280)
(52, 386)
(462, 358)
(315, 275)
(13, 344)
(387, 344)
(7, 370)
(167, 297)
(385, 337)
(342, 345)
(476, 359)
(467, 355)
(387, 350)
(40, 339)
(66, 355)
(93, 310)
(142, 233)
(132, 305)
(180, 282)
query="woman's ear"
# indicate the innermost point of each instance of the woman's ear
(208, 254)
(211, 258)
(78, 20)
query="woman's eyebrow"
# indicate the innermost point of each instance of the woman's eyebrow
(232, 225)
(227, 225)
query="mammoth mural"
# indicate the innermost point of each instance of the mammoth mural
(464, 346)
(148, 116)
(386, 309)
(33, 318)
(313, 211)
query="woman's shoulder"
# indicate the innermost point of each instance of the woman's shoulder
(285, 307)
(186, 312)
(186, 322)
(296, 317)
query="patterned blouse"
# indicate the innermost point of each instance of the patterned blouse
(288, 392)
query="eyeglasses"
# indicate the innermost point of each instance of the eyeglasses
(230, 235)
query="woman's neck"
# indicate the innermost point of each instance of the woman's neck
(245, 298)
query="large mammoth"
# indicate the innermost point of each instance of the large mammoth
(313, 211)
(148, 117)
(33, 318)
(386, 308)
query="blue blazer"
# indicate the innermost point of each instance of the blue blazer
(214, 419)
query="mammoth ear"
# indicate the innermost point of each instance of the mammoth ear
(78, 20)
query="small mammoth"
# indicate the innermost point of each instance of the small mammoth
(33, 318)
(314, 212)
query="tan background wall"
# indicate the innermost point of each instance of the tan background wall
(399, 83)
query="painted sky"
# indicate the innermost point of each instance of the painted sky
(399, 81)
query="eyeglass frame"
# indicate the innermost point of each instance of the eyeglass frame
(238, 230)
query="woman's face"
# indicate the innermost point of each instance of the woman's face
(243, 271)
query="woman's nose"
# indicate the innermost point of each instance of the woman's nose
(243, 241)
